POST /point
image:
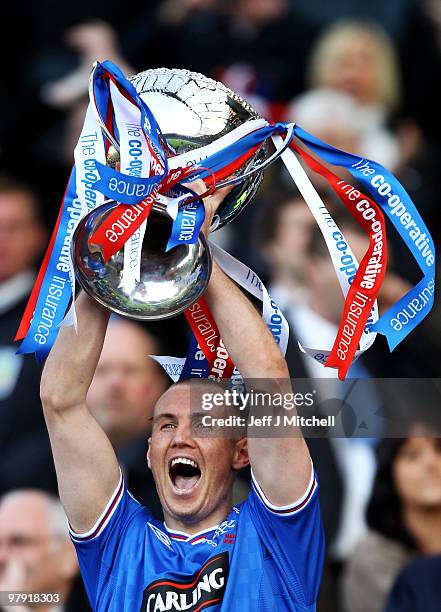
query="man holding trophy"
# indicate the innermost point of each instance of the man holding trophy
(264, 555)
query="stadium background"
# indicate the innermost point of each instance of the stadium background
(362, 75)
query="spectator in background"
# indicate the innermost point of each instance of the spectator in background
(359, 59)
(123, 393)
(282, 232)
(93, 41)
(22, 239)
(23, 437)
(316, 319)
(418, 587)
(36, 554)
(404, 516)
(264, 40)
(315, 323)
(332, 116)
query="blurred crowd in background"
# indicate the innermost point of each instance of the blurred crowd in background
(362, 76)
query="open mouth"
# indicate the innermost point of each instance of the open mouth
(184, 474)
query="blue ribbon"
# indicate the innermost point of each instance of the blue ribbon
(148, 123)
(56, 291)
(131, 190)
(223, 158)
(388, 192)
(189, 220)
(116, 185)
(196, 364)
(123, 187)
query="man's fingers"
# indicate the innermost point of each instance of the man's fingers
(198, 186)
(219, 195)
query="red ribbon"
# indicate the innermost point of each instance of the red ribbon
(119, 225)
(367, 282)
(207, 335)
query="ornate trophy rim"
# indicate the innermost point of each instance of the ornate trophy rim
(199, 75)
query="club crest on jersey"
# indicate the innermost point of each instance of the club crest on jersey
(202, 590)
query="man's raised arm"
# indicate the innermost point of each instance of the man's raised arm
(281, 466)
(86, 465)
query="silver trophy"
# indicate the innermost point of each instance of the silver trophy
(192, 111)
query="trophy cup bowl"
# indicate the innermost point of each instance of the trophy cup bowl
(168, 282)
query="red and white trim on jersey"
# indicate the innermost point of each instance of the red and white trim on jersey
(195, 538)
(103, 519)
(291, 508)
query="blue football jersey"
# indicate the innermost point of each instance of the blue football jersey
(262, 558)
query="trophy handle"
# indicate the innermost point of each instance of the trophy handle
(277, 153)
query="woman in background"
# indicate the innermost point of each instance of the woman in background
(404, 518)
(359, 59)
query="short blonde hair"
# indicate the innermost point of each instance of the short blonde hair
(336, 40)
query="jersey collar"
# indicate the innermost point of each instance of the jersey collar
(192, 538)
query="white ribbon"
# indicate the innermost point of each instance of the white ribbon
(135, 160)
(90, 148)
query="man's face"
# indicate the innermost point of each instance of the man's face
(30, 555)
(23, 535)
(21, 236)
(262, 12)
(355, 68)
(194, 475)
(126, 384)
(417, 473)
